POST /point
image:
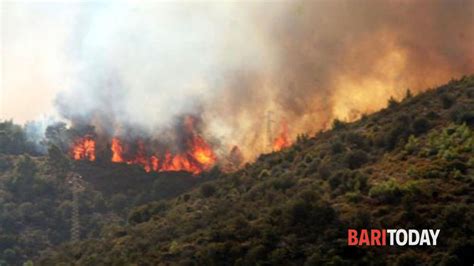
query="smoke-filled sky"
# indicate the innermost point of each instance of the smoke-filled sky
(120, 64)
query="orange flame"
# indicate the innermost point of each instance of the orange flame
(117, 151)
(198, 155)
(202, 152)
(84, 149)
(154, 161)
(282, 141)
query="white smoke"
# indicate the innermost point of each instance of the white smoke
(144, 64)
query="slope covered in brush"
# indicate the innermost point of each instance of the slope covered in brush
(36, 200)
(408, 166)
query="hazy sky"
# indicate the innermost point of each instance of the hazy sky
(33, 53)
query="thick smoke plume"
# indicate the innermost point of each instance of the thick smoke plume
(245, 67)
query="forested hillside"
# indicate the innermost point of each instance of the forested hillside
(36, 196)
(410, 165)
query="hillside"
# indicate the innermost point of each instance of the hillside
(36, 199)
(410, 165)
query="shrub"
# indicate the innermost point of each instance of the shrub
(118, 202)
(283, 183)
(432, 115)
(356, 159)
(412, 145)
(450, 143)
(139, 215)
(408, 94)
(347, 180)
(470, 92)
(392, 102)
(447, 100)
(337, 147)
(317, 215)
(324, 170)
(387, 192)
(420, 126)
(356, 139)
(353, 196)
(461, 115)
(208, 190)
(263, 174)
(396, 134)
(308, 159)
(338, 124)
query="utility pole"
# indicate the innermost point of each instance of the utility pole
(75, 180)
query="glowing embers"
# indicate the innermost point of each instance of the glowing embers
(84, 148)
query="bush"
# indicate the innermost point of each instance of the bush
(338, 124)
(356, 139)
(283, 183)
(263, 174)
(452, 143)
(387, 192)
(317, 215)
(392, 102)
(118, 202)
(355, 159)
(461, 115)
(412, 146)
(347, 180)
(337, 147)
(447, 101)
(420, 126)
(396, 134)
(432, 115)
(408, 94)
(324, 170)
(208, 190)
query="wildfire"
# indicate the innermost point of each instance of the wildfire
(84, 149)
(199, 156)
(283, 140)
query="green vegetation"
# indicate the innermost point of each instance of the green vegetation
(408, 166)
(36, 200)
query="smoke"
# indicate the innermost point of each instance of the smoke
(155, 63)
(244, 67)
(341, 59)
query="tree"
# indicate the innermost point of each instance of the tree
(56, 134)
(58, 160)
(408, 94)
(392, 102)
(12, 138)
